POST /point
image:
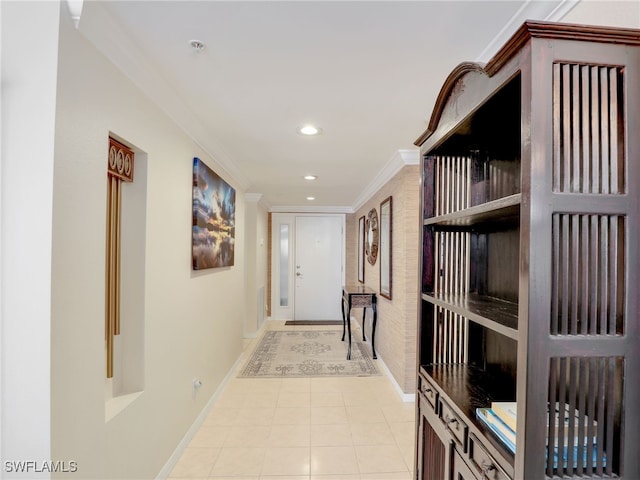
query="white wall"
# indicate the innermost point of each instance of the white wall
(193, 321)
(262, 259)
(28, 110)
(624, 13)
(256, 231)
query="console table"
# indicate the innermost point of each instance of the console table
(360, 297)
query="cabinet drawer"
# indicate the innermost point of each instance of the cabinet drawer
(454, 424)
(460, 469)
(484, 462)
(428, 391)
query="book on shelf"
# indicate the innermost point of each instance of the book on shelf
(507, 412)
(584, 462)
(506, 435)
(560, 454)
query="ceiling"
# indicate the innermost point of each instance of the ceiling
(366, 72)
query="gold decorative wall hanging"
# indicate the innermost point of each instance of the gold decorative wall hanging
(371, 237)
(119, 169)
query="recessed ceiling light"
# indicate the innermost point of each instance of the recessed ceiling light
(310, 177)
(311, 198)
(197, 45)
(309, 130)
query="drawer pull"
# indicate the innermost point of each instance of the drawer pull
(450, 420)
(428, 390)
(486, 468)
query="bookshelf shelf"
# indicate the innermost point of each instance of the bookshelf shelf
(503, 210)
(470, 387)
(498, 315)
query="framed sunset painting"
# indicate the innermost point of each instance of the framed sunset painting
(214, 217)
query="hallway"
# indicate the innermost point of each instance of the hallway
(342, 428)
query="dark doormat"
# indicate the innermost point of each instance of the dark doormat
(313, 322)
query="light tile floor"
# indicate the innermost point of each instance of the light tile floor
(347, 428)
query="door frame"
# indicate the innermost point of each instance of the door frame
(286, 312)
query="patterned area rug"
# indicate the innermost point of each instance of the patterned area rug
(313, 353)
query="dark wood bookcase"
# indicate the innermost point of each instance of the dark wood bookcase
(530, 261)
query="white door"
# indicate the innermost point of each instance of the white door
(318, 276)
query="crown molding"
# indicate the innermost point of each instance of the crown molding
(258, 198)
(101, 29)
(75, 11)
(309, 209)
(552, 11)
(562, 10)
(252, 197)
(531, 10)
(399, 160)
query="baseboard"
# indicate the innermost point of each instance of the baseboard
(257, 333)
(195, 426)
(405, 397)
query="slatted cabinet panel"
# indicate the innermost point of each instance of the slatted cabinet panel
(588, 281)
(588, 128)
(531, 220)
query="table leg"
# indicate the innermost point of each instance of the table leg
(373, 331)
(349, 327)
(343, 319)
(364, 317)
